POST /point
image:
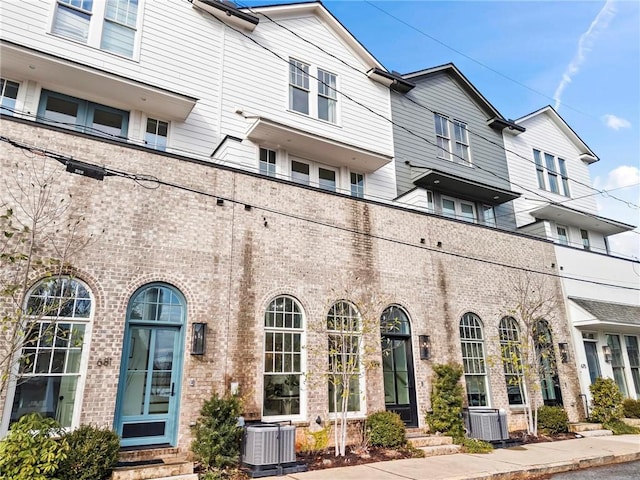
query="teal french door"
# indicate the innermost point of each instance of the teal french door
(148, 399)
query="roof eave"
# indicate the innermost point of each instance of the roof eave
(227, 13)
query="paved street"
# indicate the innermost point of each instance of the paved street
(621, 471)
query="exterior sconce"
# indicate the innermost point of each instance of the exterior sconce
(564, 352)
(425, 347)
(606, 350)
(198, 338)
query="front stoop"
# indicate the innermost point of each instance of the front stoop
(167, 470)
(589, 429)
(433, 445)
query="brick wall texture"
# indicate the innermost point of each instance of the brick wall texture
(230, 261)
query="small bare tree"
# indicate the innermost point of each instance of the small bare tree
(352, 346)
(524, 347)
(40, 232)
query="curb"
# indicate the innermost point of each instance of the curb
(534, 472)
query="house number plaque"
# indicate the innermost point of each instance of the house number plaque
(104, 362)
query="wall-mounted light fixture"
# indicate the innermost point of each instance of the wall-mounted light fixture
(606, 350)
(425, 346)
(198, 339)
(564, 352)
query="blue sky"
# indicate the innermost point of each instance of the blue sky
(582, 57)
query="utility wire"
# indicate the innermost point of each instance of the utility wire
(155, 180)
(432, 111)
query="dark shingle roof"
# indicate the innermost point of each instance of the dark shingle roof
(610, 312)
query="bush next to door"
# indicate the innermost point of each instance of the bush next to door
(93, 454)
(631, 408)
(446, 401)
(217, 436)
(385, 429)
(33, 449)
(552, 420)
(607, 401)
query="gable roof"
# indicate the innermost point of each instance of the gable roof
(317, 8)
(586, 154)
(495, 119)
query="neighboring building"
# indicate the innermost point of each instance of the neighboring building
(549, 166)
(450, 157)
(248, 178)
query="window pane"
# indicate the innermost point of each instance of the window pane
(448, 208)
(64, 112)
(71, 23)
(8, 96)
(327, 179)
(357, 185)
(118, 38)
(156, 134)
(467, 212)
(122, 11)
(299, 100)
(300, 172)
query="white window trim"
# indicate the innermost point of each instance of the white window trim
(458, 204)
(313, 91)
(96, 24)
(451, 142)
(542, 167)
(143, 132)
(314, 178)
(82, 371)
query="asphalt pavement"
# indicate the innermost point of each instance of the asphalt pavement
(524, 461)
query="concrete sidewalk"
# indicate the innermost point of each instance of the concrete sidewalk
(501, 464)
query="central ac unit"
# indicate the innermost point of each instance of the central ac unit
(269, 445)
(488, 425)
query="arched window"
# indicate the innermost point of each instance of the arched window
(345, 363)
(58, 312)
(283, 330)
(473, 361)
(548, 369)
(511, 353)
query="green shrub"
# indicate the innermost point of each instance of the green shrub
(446, 401)
(386, 429)
(631, 408)
(216, 435)
(474, 445)
(606, 399)
(552, 420)
(33, 449)
(618, 427)
(93, 454)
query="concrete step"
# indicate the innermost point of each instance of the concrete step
(634, 422)
(584, 427)
(429, 440)
(173, 470)
(440, 450)
(596, 433)
(141, 455)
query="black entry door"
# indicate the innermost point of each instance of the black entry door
(399, 385)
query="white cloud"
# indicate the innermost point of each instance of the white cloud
(620, 177)
(585, 44)
(614, 122)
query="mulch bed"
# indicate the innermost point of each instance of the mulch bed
(327, 458)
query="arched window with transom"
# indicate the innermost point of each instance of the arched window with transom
(345, 363)
(511, 353)
(283, 359)
(473, 360)
(51, 361)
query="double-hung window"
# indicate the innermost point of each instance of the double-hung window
(586, 243)
(617, 362)
(8, 96)
(267, 162)
(552, 173)
(156, 134)
(634, 360)
(317, 98)
(299, 86)
(444, 140)
(327, 97)
(563, 236)
(75, 113)
(357, 185)
(110, 25)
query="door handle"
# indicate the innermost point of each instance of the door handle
(173, 389)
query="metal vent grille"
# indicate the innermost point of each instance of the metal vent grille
(488, 425)
(269, 445)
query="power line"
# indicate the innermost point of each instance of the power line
(65, 159)
(432, 111)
